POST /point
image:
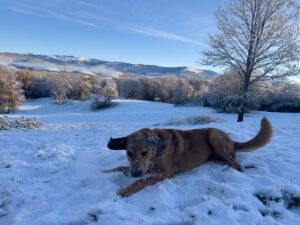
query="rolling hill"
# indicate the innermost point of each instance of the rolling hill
(97, 67)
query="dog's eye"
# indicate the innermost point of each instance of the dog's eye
(144, 154)
(129, 154)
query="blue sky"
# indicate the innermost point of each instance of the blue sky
(161, 32)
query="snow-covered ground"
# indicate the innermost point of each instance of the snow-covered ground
(52, 175)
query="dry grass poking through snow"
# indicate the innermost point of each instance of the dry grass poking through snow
(21, 123)
(192, 120)
(288, 200)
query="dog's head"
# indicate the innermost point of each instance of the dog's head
(141, 148)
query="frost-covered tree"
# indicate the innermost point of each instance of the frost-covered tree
(257, 38)
(35, 83)
(128, 86)
(109, 91)
(11, 93)
(182, 92)
(25, 77)
(60, 86)
(104, 91)
(80, 87)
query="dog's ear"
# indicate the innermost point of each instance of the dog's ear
(117, 143)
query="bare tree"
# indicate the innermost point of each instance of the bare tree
(128, 86)
(11, 93)
(80, 87)
(109, 91)
(60, 86)
(257, 38)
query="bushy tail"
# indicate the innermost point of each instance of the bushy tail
(261, 139)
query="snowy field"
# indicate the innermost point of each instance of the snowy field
(51, 176)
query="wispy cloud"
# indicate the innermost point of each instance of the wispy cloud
(84, 18)
(89, 5)
(36, 11)
(83, 22)
(162, 34)
(20, 10)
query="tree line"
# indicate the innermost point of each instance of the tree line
(223, 93)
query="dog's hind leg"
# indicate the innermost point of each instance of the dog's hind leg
(223, 146)
(123, 169)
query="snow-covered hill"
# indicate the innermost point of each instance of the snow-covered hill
(98, 67)
(52, 176)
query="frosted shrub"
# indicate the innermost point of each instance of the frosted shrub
(225, 92)
(101, 103)
(229, 104)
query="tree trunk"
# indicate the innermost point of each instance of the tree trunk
(240, 117)
(241, 111)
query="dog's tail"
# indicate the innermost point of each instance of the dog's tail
(261, 139)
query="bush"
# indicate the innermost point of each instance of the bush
(101, 103)
(229, 104)
(11, 93)
(224, 92)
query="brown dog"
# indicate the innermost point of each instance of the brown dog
(165, 152)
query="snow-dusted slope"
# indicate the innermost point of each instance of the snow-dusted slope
(95, 66)
(52, 176)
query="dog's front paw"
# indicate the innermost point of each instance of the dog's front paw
(126, 192)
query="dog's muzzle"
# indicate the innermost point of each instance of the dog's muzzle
(136, 172)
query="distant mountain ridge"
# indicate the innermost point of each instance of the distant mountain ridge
(97, 67)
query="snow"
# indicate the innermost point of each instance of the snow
(193, 70)
(52, 175)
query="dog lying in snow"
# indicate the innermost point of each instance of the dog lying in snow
(165, 152)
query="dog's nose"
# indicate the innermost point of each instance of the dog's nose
(136, 173)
